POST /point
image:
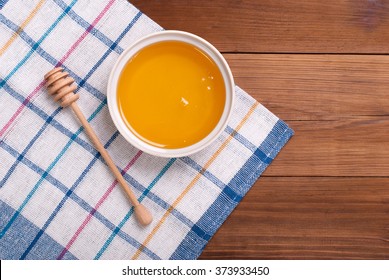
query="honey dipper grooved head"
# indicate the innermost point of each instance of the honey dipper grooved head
(61, 86)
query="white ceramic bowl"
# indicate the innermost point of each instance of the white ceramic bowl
(203, 45)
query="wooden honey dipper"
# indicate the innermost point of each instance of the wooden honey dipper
(61, 86)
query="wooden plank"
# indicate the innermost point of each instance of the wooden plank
(355, 146)
(315, 87)
(291, 26)
(337, 105)
(307, 218)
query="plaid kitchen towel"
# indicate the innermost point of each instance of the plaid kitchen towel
(58, 200)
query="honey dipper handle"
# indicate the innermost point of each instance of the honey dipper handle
(142, 214)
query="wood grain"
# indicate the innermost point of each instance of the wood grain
(288, 26)
(307, 218)
(345, 147)
(319, 65)
(315, 87)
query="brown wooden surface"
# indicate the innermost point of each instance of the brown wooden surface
(320, 66)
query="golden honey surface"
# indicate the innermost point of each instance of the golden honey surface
(171, 94)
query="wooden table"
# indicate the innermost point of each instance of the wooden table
(323, 67)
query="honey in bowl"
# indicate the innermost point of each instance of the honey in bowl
(171, 94)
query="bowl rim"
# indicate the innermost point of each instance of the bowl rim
(170, 35)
